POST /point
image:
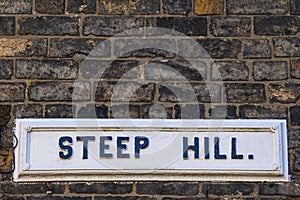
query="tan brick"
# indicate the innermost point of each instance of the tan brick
(9, 47)
(209, 7)
(22, 47)
(114, 7)
(6, 158)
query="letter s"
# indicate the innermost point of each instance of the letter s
(67, 149)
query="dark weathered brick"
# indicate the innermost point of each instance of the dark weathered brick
(4, 114)
(124, 69)
(109, 26)
(6, 142)
(49, 25)
(228, 189)
(46, 69)
(32, 188)
(6, 69)
(189, 111)
(142, 50)
(28, 111)
(294, 135)
(50, 6)
(207, 93)
(263, 112)
(273, 198)
(284, 93)
(273, 189)
(145, 47)
(223, 112)
(144, 7)
(7, 26)
(168, 94)
(59, 91)
(189, 198)
(150, 53)
(58, 198)
(258, 48)
(230, 26)
(295, 68)
(124, 91)
(295, 178)
(215, 48)
(125, 111)
(287, 47)
(245, 93)
(257, 7)
(270, 70)
(184, 92)
(175, 70)
(294, 187)
(16, 7)
(296, 166)
(6, 177)
(22, 47)
(295, 7)
(229, 71)
(191, 26)
(209, 7)
(156, 111)
(12, 92)
(161, 188)
(70, 46)
(116, 69)
(93, 111)
(124, 198)
(95, 68)
(113, 7)
(295, 115)
(221, 48)
(101, 188)
(176, 7)
(59, 111)
(82, 6)
(283, 25)
(13, 198)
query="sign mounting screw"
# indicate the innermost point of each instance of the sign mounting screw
(273, 129)
(28, 128)
(275, 166)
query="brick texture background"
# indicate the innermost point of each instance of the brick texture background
(254, 44)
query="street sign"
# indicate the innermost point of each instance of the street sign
(152, 149)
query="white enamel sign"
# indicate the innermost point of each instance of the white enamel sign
(137, 149)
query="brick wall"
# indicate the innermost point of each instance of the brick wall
(254, 45)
